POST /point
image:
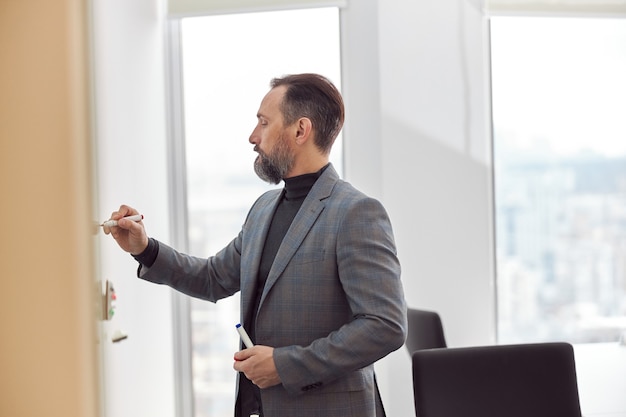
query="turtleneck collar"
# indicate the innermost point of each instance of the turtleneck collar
(298, 187)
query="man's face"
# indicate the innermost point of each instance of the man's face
(271, 140)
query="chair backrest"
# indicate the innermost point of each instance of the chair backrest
(524, 380)
(425, 330)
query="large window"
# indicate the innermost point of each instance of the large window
(559, 106)
(227, 64)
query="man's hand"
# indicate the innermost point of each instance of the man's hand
(257, 364)
(130, 235)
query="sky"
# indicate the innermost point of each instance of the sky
(561, 80)
(228, 62)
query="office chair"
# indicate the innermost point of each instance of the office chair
(425, 330)
(525, 380)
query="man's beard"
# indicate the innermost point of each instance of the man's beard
(273, 167)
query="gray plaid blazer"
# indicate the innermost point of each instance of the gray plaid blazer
(332, 305)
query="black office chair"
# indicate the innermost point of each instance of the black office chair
(524, 380)
(425, 330)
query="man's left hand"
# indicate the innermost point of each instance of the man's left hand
(257, 364)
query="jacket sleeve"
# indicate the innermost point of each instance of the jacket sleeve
(209, 279)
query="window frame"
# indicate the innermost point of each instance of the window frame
(359, 80)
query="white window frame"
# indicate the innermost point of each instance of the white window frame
(563, 8)
(360, 89)
(187, 8)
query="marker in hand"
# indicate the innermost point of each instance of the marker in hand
(111, 223)
(244, 336)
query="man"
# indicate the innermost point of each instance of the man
(315, 262)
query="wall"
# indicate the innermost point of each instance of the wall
(129, 84)
(48, 356)
(435, 158)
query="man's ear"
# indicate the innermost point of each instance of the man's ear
(304, 128)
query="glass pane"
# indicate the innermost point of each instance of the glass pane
(559, 106)
(228, 62)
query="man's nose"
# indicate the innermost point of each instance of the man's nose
(253, 139)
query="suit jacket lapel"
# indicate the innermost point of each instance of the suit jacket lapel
(259, 220)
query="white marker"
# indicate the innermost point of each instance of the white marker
(244, 336)
(111, 223)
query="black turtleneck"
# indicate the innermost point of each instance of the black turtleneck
(296, 190)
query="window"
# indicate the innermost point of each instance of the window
(227, 64)
(559, 99)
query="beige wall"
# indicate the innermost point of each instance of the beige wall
(48, 359)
